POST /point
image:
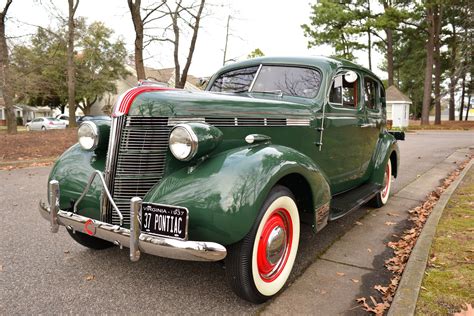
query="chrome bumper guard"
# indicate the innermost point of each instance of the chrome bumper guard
(132, 238)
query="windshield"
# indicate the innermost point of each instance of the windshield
(281, 80)
(235, 81)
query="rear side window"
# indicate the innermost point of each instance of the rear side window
(370, 93)
(343, 93)
(235, 81)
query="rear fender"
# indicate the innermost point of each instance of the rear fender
(224, 193)
(387, 148)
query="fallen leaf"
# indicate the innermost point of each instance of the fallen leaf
(340, 273)
(392, 214)
(469, 311)
(90, 277)
(66, 251)
(369, 250)
(1, 268)
(359, 223)
(381, 289)
(390, 223)
(355, 280)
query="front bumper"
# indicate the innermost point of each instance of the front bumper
(132, 238)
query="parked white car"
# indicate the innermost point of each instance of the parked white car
(64, 118)
(45, 123)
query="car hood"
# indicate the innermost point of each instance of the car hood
(181, 103)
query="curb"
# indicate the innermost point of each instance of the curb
(406, 297)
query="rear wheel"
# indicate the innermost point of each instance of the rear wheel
(89, 241)
(382, 197)
(258, 266)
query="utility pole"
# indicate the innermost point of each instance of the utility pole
(226, 40)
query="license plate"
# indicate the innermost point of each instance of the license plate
(165, 220)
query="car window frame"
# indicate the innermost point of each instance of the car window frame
(309, 67)
(378, 101)
(336, 106)
(304, 100)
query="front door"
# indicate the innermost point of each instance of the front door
(342, 153)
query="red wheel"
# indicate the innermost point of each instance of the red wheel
(382, 197)
(259, 265)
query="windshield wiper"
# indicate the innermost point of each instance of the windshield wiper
(275, 92)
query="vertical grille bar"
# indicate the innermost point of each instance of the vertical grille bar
(139, 162)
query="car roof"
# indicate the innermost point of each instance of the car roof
(321, 62)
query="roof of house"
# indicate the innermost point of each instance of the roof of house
(395, 95)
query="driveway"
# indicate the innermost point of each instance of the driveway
(49, 273)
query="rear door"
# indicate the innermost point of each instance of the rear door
(372, 97)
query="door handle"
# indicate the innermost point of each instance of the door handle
(367, 125)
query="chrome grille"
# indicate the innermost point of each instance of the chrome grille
(141, 155)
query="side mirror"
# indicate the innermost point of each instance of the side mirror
(350, 76)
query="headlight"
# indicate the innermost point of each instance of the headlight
(183, 142)
(88, 135)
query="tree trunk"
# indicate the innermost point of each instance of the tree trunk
(71, 67)
(463, 94)
(5, 75)
(192, 46)
(468, 107)
(177, 66)
(138, 25)
(425, 110)
(453, 79)
(437, 62)
(389, 34)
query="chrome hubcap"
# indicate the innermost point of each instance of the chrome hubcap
(276, 245)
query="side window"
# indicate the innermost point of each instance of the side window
(370, 93)
(382, 100)
(344, 93)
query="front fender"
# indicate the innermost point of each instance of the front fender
(224, 193)
(73, 170)
(386, 147)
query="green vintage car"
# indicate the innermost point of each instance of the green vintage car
(230, 173)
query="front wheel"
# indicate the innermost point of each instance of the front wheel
(89, 241)
(382, 197)
(258, 266)
(43, 128)
(28, 128)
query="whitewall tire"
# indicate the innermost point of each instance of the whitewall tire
(382, 197)
(258, 266)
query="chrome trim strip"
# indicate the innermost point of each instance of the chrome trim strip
(110, 165)
(150, 244)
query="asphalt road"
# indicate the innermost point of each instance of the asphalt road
(44, 273)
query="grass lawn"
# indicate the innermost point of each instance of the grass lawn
(445, 125)
(448, 283)
(3, 129)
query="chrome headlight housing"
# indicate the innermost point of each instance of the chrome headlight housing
(88, 135)
(183, 142)
(193, 140)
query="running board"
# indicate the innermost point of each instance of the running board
(346, 202)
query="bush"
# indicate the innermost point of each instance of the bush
(19, 121)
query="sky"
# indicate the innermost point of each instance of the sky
(273, 26)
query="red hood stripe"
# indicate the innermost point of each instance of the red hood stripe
(125, 101)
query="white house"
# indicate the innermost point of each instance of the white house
(398, 107)
(26, 112)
